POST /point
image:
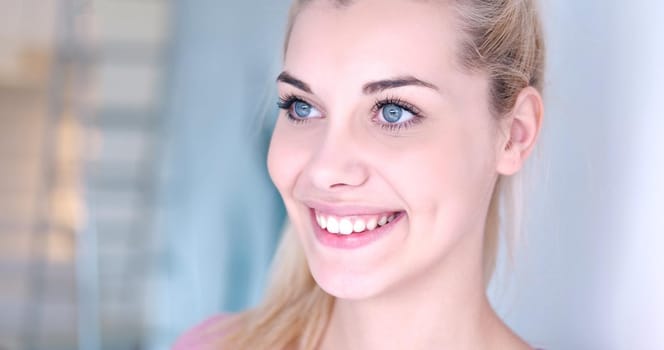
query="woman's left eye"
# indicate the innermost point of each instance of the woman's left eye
(392, 113)
(395, 115)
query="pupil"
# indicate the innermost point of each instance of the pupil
(302, 109)
(392, 113)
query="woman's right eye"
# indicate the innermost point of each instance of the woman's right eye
(298, 109)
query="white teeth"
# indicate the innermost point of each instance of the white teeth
(332, 225)
(359, 225)
(382, 221)
(371, 224)
(345, 227)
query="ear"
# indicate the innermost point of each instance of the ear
(520, 130)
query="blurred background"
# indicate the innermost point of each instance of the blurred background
(134, 199)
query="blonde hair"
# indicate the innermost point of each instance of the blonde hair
(502, 39)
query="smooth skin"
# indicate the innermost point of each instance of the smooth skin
(420, 286)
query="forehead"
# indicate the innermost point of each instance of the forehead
(369, 39)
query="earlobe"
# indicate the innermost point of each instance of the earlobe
(522, 131)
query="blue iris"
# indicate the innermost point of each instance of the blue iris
(392, 113)
(302, 109)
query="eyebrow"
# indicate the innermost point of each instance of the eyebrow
(285, 77)
(368, 88)
(382, 85)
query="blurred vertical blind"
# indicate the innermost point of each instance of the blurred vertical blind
(135, 200)
(80, 88)
(117, 245)
(36, 244)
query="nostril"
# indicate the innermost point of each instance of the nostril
(339, 185)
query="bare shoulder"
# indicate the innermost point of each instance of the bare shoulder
(203, 335)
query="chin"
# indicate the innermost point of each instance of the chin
(343, 284)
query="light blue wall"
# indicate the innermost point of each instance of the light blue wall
(219, 215)
(589, 273)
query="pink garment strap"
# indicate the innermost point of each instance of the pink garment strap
(198, 337)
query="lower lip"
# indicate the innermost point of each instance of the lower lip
(353, 240)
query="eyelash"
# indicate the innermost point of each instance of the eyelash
(287, 101)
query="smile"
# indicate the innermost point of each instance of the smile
(347, 225)
(338, 227)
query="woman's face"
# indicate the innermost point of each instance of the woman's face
(380, 125)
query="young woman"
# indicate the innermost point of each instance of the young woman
(402, 124)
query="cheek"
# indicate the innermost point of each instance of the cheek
(438, 164)
(278, 162)
(447, 175)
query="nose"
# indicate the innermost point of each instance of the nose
(337, 162)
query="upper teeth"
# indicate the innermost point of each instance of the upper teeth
(348, 225)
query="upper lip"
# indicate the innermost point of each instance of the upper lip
(343, 209)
